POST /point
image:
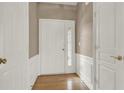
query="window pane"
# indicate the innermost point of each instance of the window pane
(69, 47)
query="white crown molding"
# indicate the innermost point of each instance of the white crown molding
(65, 3)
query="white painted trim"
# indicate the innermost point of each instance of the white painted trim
(33, 70)
(65, 3)
(86, 58)
(77, 59)
(85, 69)
(94, 38)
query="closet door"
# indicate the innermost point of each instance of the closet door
(13, 45)
(110, 46)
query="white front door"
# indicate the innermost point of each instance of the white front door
(110, 46)
(52, 46)
(12, 36)
(56, 46)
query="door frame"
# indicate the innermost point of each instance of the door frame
(64, 44)
(95, 41)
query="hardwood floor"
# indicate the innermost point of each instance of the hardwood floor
(59, 82)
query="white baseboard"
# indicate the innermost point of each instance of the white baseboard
(85, 69)
(33, 70)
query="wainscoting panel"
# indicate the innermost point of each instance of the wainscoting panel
(85, 69)
(33, 70)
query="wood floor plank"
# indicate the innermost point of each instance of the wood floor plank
(59, 82)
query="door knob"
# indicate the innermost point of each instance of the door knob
(117, 57)
(3, 61)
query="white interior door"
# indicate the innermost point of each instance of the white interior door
(12, 36)
(110, 46)
(52, 46)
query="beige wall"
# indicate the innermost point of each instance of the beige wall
(83, 16)
(33, 30)
(47, 11)
(56, 11)
(84, 29)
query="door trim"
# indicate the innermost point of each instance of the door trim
(95, 40)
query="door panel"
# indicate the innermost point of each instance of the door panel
(106, 46)
(106, 27)
(106, 74)
(52, 46)
(7, 79)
